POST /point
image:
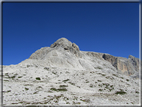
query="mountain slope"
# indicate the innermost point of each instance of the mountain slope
(63, 75)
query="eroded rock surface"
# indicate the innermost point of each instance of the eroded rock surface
(127, 66)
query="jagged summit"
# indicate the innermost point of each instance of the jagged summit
(66, 44)
(61, 45)
(61, 42)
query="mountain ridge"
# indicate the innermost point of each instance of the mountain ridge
(128, 66)
(63, 75)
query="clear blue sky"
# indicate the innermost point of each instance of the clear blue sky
(100, 27)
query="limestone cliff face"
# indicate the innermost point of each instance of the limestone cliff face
(127, 66)
(135, 62)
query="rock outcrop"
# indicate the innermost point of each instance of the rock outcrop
(126, 66)
(135, 62)
(66, 45)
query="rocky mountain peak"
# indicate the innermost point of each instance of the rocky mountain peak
(66, 44)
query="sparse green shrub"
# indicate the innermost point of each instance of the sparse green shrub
(72, 83)
(114, 75)
(53, 89)
(108, 86)
(136, 92)
(54, 72)
(127, 79)
(19, 76)
(6, 74)
(99, 81)
(63, 85)
(99, 67)
(120, 92)
(8, 90)
(100, 85)
(60, 89)
(28, 84)
(13, 76)
(26, 88)
(103, 75)
(66, 80)
(108, 77)
(87, 81)
(78, 86)
(14, 103)
(38, 78)
(46, 68)
(91, 85)
(28, 66)
(100, 89)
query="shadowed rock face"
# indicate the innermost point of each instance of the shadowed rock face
(127, 66)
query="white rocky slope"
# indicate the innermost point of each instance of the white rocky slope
(63, 75)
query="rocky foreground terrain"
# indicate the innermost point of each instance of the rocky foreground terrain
(63, 75)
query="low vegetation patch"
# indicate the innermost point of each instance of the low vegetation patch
(63, 85)
(87, 81)
(54, 72)
(60, 89)
(72, 83)
(120, 92)
(66, 80)
(38, 78)
(12, 76)
(136, 92)
(46, 68)
(114, 75)
(109, 77)
(108, 86)
(7, 91)
(100, 85)
(19, 76)
(26, 88)
(28, 66)
(100, 89)
(91, 85)
(99, 81)
(99, 67)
